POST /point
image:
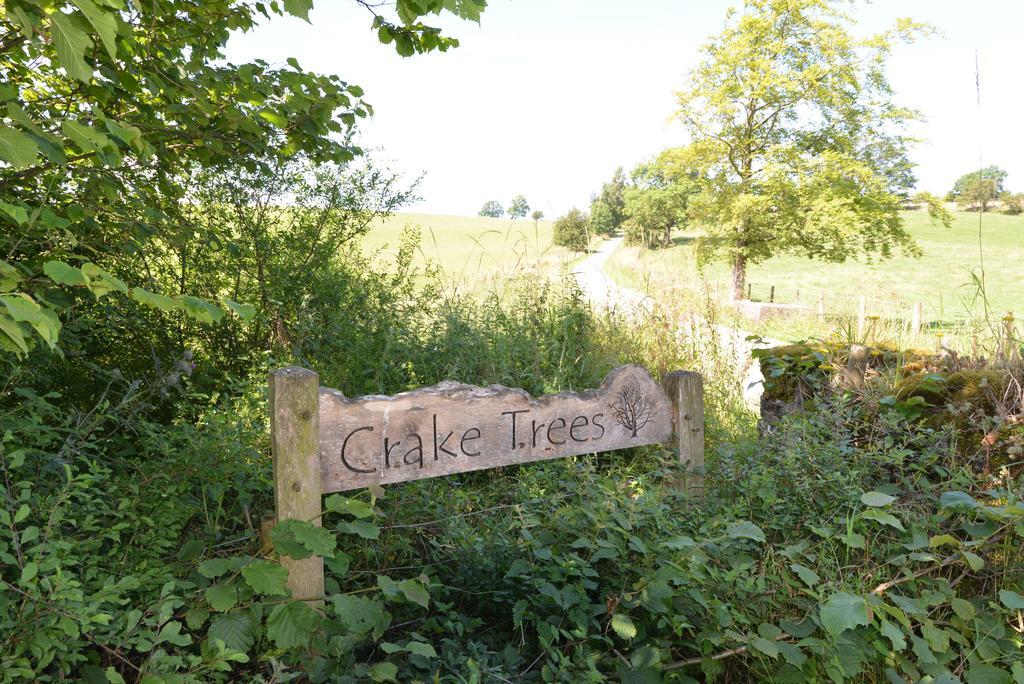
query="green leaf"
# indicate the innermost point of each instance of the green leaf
(982, 673)
(384, 672)
(623, 626)
(201, 310)
(101, 282)
(843, 611)
(292, 624)
(414, 591)
(964, 609)
(298, 8)
(336, 503)
(103, 21)
(362, 528)
(765, 646)
(87, 138)
(360, 615)
(959, 501)
(222, 597)
(1011, 599)
(29, 572)
(171, 633)
(12, 333)
(266, 577)
(234, 629)
(214, 567)
(974, 561)
(17, 148)
(72, 43)
(745, 530)
(943, 540)
(64, 274)
(155, 300)
(809, 577)
(893, 633)
(421, 649)
(876, 499)
(244, 311)
(883, 517)
(300, 539)
(274, 117)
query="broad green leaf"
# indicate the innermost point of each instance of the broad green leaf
(959, 501)
(893, 633)
(274, 118)
(745, 529)
(311, 539)
(414, 591)
(87, 138)
(982, 673)
(360, 615)
(72, 43)
(103, 21)
(765, 646)
(1011, 599)
(292, 624)
(244, 311)
(363, 528)
(973, 560)
(213, 568)
(298, 8)
(336, 503)
(422, 649)
(29, 572)
(64, 274)
(384, 672)
(623, 626)
(101, 282)
(964, 609)
(201, 310)
(266, 577)
(16, 212)
(21, 307)
(943, 540)
(17, 148)
(171, 633)
(11, 333)
(155, 300)
(809, 577)
(234, 629)
(222, 596)
(843, 611)
(876, 499)
(883, 517)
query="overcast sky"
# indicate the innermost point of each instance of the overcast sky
(548, 97)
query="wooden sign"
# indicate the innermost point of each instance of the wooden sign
(453, 428)
(323, 442)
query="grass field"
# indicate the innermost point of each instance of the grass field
(475, 252)
(942, 280)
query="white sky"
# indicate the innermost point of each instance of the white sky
(547, 97)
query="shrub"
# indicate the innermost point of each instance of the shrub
(573, 231)
(1013, 203)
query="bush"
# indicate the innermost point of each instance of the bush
(573, 231)
(1013, 203)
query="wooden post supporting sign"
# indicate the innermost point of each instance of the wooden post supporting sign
(324, 442)
(295, 442)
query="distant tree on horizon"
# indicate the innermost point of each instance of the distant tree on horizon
(537, 216)
(572, 231)
(608, 209)
(492, 209)
(519, 207)
(978, 188)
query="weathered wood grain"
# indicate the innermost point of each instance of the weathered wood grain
(294, 420)
(454, 428)
(685, 389)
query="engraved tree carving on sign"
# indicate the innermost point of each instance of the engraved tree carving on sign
(632, 409)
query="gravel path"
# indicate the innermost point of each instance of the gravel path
(605, 293)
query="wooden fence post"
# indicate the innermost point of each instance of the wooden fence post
(686, 390)
(295, 440)
(915, 320)
(821, 305)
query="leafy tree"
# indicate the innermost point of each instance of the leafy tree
(978, 193)
(537, 215)
(492, 209)
(101, 134)
(573, 231)
(1013, 203)
(656, 201)
(607, 210)
(799, 146)
(969, 184)
(519, 207)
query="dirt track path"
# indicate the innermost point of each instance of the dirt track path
(605, 293)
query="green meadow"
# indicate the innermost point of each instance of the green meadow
(945, 279)
(475, 252)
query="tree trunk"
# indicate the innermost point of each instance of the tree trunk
(739, 276)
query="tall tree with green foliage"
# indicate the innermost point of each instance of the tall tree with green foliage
(607, 210)
(519, 207)
(572, 231)
(798, 142)
(108, 109)
(979, 188)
